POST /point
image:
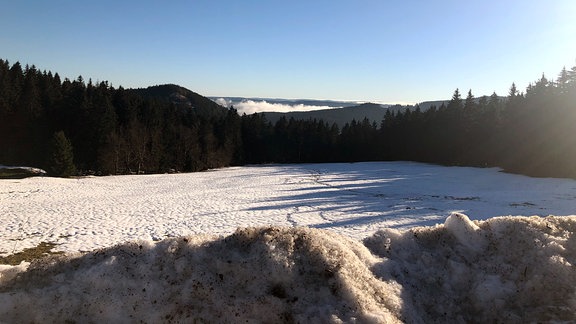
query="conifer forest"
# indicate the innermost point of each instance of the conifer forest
(75, 127)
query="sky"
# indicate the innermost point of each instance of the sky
(362, 50)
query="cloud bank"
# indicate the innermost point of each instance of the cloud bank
(250, 106)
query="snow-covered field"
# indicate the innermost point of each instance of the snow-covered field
(352, 199)
(503, 269)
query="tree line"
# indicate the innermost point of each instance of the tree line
(78, 127)
(530, 133)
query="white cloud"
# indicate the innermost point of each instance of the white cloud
(250, 106)
(223, 102)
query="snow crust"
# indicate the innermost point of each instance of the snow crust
(514, 270)
(354, 199)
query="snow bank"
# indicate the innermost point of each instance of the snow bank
(507, 269)
(257, 275)
(8, 272)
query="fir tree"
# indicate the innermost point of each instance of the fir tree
(61, 159)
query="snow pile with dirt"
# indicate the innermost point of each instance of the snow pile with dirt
(510, 269)
(502, 270)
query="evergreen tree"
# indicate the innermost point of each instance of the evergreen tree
(563, 80)
(572, 79)
(456, 101)
(470, 102)
(61, 159)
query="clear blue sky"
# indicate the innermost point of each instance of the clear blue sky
(369, 50)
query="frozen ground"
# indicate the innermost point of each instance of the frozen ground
(509, 269)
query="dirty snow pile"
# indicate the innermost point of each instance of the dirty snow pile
(506, 269)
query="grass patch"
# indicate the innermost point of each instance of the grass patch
(43, 249)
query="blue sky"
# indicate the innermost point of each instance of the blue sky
(382, 51)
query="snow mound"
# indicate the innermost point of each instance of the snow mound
(505, 269)
(266, 275)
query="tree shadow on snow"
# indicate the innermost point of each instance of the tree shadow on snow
(402, 194)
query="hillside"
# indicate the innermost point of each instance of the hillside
(183, 97)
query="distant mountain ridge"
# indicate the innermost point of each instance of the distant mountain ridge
(340, 116)
(342, 112)
(339, 112)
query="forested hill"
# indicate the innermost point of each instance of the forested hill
(74, 127)
(181, 96)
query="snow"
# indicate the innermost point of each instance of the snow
(465, 232)
(522, 273)
(24, 170)
(366, 242)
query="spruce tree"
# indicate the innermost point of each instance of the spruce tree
(61, 159)
(456, 101)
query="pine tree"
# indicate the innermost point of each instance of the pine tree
(456, 101)
(562, 81)
(572, 77)
(470, 102)
(61, 159)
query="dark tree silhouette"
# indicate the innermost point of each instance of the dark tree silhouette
(61, 159)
